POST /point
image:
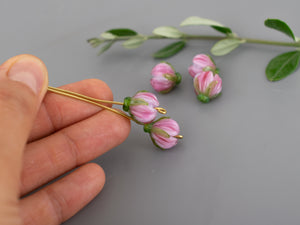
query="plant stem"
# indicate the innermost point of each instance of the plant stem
(216, 38)
(268, 42)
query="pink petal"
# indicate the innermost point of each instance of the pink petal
(163, 142)
(168, 125)
(150, 98)
(196, 85)
(193, 71)
(161, 83)
(143, 113)
(203, 61)
(200, 63)
(161, 69)
(218, 87)
(204, 79)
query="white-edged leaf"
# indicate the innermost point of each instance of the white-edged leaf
(95, 42)
(169, 32)
(225, 46)
(108, 36)
(195, 21)
(106, 47)
(133, 42)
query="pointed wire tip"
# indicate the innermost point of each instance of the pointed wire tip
(179, 136)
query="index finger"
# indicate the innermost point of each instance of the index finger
(58, 112)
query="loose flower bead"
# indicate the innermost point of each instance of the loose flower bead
(202, 63)
(164, 132)
(207, 86)
(164, 78)
(142, 107)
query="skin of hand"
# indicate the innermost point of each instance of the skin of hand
(45, 135)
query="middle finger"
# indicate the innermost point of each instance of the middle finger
(79, 143)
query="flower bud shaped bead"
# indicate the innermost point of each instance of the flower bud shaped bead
(207, 86)
(164, 132)
(202, 63)
(142, 107)
(164, 78)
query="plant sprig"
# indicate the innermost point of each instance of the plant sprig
(278, 68)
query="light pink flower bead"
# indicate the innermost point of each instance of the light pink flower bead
(207, 85)
(142, 107)
(201, 63)
(163, 133)
(164, 78)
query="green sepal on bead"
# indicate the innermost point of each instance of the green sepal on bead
(148, 127)
(160, 132)
(138, 101)
(126, 104)
(208, 68)
(178, 78)
(166, 91)
(170, 77)
(203, 98)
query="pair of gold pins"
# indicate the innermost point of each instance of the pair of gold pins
(96, 101)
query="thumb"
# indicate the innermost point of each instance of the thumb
(23, 84)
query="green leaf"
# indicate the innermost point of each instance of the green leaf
(280, 26)
(106, 47)
(133, 42)
(282, 65)
(224, 30)
(225, 46)
(196, 21)
(169, 50)
(122, 32)
(169, 32)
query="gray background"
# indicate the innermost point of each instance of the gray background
(238, 163)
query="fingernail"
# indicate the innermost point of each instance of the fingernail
(30, 71)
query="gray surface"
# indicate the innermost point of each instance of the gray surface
(239, 161)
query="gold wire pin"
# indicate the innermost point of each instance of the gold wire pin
(95, 100)
(179, 136)
(161, 110)
(91, 100)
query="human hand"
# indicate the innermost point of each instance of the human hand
(44, 136)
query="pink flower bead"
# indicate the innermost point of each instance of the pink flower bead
(164, 77)
(164, 132)
(202, 63)
(142, 107)
(207, 86)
